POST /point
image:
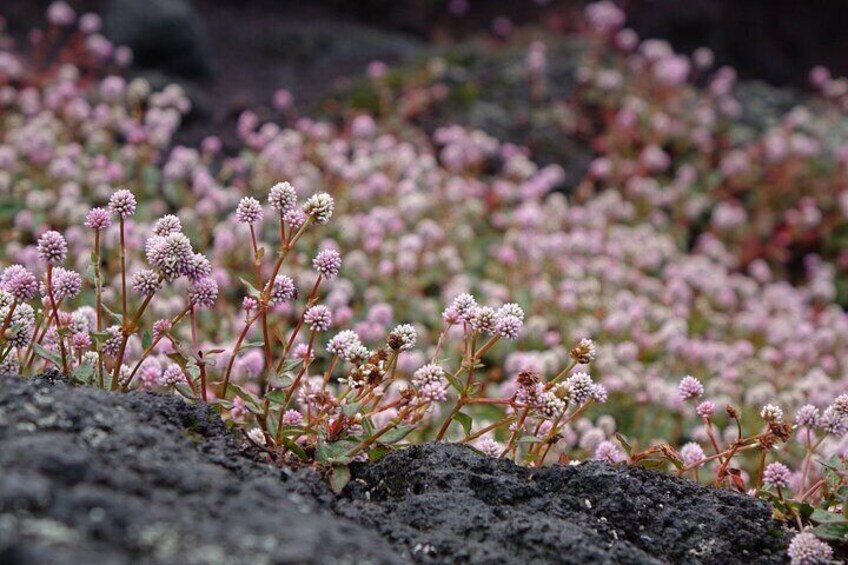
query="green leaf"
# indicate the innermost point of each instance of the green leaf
(47, 355)
(250, 345)
(185, 390)
(465, 420)
(250, 399)
(115, 316)
(820, 516)
(624, 443)
(350, 409)
(833, 532)
(251, 290)
(260, 253)
(454, 382)
(377, 452)
(339, 478)
(146, 340)
(335, 452)
(276, 396)
(294, 448)
(396, 434)
(193, 369)
(83, 373)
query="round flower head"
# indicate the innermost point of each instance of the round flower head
(52, 248)
(511, 309)
(318, 318)
(402, 337)
(429, 373)
(771, 413)
(19, 282)
(319, 207)
(66, 284)
(343, 341)
(691, 453)
(81, 342)
(166, 225)
(433, 391)
(197, 267)
(776, 475)
(705, 409)
(464, 306)
(834, 423)
(283, 290)
(161, 328)
(249, 303)
(292, 418)
(584, 352)
(249, 211)
(609, 452)
(60, 14)
(328, 262)
(203, 292)
(807, 549)
(122, 203)
(489, 447)
(282, 197)
(690, 388)
(171, 254)
(483, 320)
(580, 388)
(508, 326)
(840, 405)
(98, 219)
(171, 376)
(146, 282)
(294, 218)
(807, 416)
(112, 344)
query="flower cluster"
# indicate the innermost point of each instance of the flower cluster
(404, 286)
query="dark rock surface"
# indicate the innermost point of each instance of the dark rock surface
(452, 505)
(163, 34)
(91, 477)
(87, 477)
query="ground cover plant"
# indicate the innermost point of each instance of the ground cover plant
(340, 288)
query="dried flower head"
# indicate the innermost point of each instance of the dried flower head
(584, 352)
(402, 337)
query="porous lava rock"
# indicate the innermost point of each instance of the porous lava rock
(92, 477)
